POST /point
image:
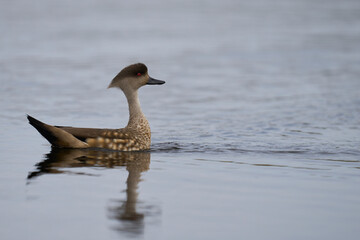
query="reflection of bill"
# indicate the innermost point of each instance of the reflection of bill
(125, 211)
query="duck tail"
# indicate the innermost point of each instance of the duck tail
(56, 136)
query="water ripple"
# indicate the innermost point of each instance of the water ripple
(173, 147)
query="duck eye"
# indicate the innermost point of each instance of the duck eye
(139, 74)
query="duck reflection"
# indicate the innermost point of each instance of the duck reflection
(124, 211)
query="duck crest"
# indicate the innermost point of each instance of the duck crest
(135, 136)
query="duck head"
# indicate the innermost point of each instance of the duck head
(133, 77)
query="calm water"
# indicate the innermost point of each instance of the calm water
(256, 134)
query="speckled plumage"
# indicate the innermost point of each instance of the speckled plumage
(131, 138)
(135, 136)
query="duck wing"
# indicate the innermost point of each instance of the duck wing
(72, 137)
(84, 133)
(57, 136)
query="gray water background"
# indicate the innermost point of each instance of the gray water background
(255, 134)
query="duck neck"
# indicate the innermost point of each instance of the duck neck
(134, 108)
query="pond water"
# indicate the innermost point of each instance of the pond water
(255, 135)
